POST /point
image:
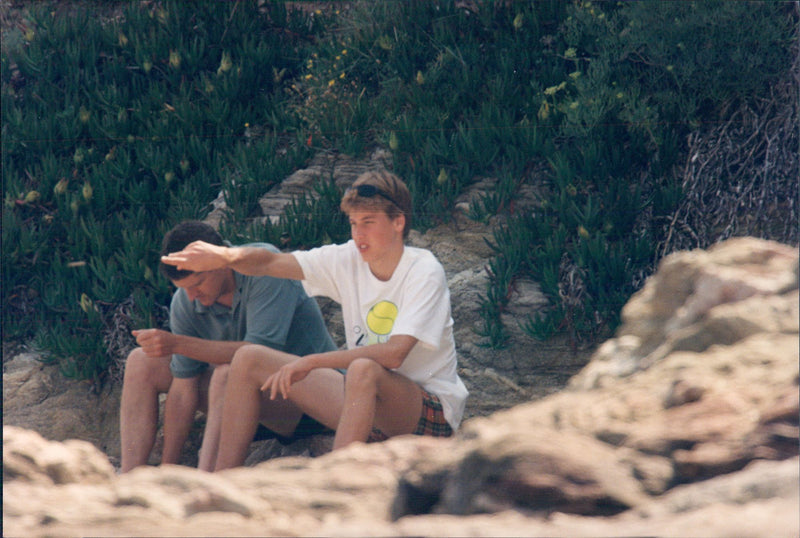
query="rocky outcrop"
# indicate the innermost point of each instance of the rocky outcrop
(40, 398)
(685, 424)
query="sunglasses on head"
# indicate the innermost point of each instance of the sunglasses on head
(368, 191)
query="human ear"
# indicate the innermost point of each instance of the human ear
(399, 223)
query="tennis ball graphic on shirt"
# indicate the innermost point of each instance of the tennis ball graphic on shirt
(381, 316)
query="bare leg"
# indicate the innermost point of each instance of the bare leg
(186, 396)
(319, 395)
(145, 377)
(211, 435)
(376, 396)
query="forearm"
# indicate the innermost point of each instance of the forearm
(210, 351)
(253, 261)
(389, 354)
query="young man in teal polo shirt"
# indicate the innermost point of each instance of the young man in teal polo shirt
(213, 313)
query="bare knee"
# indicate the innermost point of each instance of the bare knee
(246, 362)
(363, 374)
(219, 378)
(142, 370)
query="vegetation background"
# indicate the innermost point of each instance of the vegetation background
(644, 127)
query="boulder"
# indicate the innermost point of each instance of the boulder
(667, 431)
(38, 397)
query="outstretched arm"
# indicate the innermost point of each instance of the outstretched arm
(200, 256)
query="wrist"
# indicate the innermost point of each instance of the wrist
(311, 361)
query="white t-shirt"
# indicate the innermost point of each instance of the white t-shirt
(414, 302)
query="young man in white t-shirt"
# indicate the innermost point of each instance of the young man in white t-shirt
(400, 361)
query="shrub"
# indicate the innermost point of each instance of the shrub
(639, 77)
(114, 131)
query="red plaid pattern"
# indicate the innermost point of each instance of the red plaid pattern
(431, 421)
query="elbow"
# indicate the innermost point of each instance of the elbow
(396, 351)
(395, 359)
(393, 363)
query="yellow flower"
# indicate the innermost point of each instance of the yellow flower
(570, 52)
(174, 59)
(544, 111)
(225, 63)
(385, 42)
(61, 186)
(147, 65)
(123, 39)
(331, 82)
(420, 78)
(86, 303)
(583, 232)
(84, 115)
(87, 191)
(32, 197)
(518, 20)
(394, 143)
(553, 89)
(442, 178)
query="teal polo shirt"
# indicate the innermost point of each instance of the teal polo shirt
(273, 312)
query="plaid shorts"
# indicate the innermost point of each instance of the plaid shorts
(431, 421)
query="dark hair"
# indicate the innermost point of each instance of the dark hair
(179, 237)
(388, 194)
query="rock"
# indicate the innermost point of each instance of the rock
(694, 440)
(538, 470)
(29, 457)
(698, 298)
(679, 416)
(38, 397)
